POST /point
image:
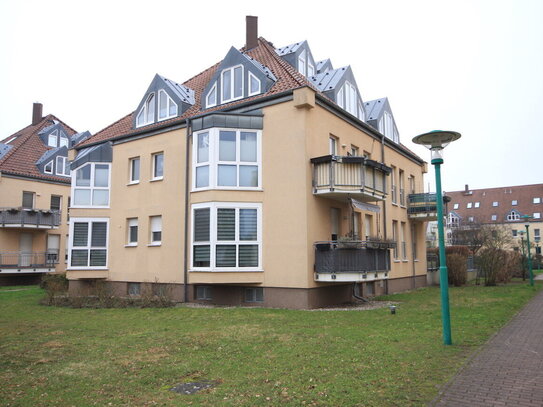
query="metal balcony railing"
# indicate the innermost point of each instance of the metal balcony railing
(29, 218)
(28, 260)
(422, 206)
(337, 176)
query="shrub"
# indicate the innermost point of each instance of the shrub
(54, 285)
(457, 269)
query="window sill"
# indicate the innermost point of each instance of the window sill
(257, 189)
(394, 203)
(154, 244)
(130, 245)
(133, 183)
(405, 260)
(87, 268)
(156, 179)
(396, 260)
(227, 271)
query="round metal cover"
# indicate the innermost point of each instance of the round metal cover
(436, 138)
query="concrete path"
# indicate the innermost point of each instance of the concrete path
(508, 371)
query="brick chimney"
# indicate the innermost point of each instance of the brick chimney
(37, 110)
(251, 24)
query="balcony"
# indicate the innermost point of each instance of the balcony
(20, 262)
(422, 207)
(339, 177)
(29, 218)
(352, 261)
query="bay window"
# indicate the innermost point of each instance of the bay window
(226, 236)
(227, 159)
(90, 186)
(88, 243)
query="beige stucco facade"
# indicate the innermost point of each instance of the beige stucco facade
(292, 217)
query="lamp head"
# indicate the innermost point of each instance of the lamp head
(436, 141)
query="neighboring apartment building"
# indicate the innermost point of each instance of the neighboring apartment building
(265, 179)
(34, 196)
(500, 206)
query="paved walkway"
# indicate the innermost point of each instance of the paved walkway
(508, 371)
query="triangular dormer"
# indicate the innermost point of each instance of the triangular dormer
(299, 56)
(340, 86)
(54, 135)
(54, 162)
(324, 66)
(164, 99)
(380, 117)
(238, 76)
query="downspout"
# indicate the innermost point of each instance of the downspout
(185, 256)
(384, 204)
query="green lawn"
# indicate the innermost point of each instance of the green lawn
(259, 357)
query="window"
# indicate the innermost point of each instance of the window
(402, 190)
(393, 189)
(63, 140)
(203, 292)
(469, 205)
(477, 204)
(156, 230)
(147, 112)
(404, 244)
(455, 206)
(513, 215)
(537, 235)
(333, 145)
(90, 185)
(89, 238)
(494, 217)
(514, 202)
(56, 202)
(254, 85)
(52, 140)
(167, 108)
(302, 62)
(226, 236)
(158, 166)
(254, 294)
(537, 215)
(537, 200)
(411, 184)
(232, 83)
(63, 168)
(227, 159)
(495, 203)
(134, 288)
(48, 168)
(28, 200)
(132, 228)
(134, 170)
(386, 126)
(395, 239)
(354, 151)
(470, 219)
(453, 221)
(514, 233)
(310, 69)
(211, 98)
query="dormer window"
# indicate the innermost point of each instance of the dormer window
(386, 126)
(147, 112)
(232, 83)
(167, 108)
(347, 98)
(302, 62)
(63, 141)
(254, 85)
(211, 98)
(52, 139)
(62, 166)
(48, 168)
(513, 215)
(361, 114)
(310, 69)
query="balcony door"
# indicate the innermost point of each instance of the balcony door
(335, 218)
(25, 249)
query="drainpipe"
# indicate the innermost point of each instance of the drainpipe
(185, 257)
(384, 203)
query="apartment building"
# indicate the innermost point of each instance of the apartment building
(34, 198)
(506, 206)
(265, 179)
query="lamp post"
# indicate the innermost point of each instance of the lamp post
(521, 233)
(530, 271)
(436, 141)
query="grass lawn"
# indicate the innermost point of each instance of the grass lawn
(260, 357)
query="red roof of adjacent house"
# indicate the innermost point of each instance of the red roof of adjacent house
(287, 78)
(27, 148)
(484, 203)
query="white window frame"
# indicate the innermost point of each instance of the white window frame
(495, 203)
(153, 169)
(63, 141)
(211, 91)
(89, 221)
(537, 215)
(153, 228)
(213, 209)
(302, 63)
(494, 217)
(131, 162)
(251, 76)
(332, 145)
(53, 136)
(469, 205)
(213, 163)
(232, 83)
(514, 202)
(50, 165)
(131, 222)
(513, 216)
(91, 187)
(63, 166)
(169, 102)
(310, 67)
(536, 200)
(455, 206)
(144, 110)
(477, 204)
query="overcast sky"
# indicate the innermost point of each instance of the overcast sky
(475, 67)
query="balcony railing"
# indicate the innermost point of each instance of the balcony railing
(422, 207)
(338, 177)
(22, 260)
(29, 218)
(352, 260)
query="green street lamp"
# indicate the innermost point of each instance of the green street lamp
(530, 271)
(436, 141)
(521, 233)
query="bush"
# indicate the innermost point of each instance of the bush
(54, 285)
(457, 269)
(513, 267)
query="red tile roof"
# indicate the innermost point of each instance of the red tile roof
(27, 148)
(287, 78)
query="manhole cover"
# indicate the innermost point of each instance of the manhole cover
(193, 387)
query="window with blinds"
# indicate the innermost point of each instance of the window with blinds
(132, 228)
(226, 236)
(88, 243)
(28, 200)
(156, 230)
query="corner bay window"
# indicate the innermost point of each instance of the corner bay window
(226, 159)
(91, 185)
(88, 243)
(226, 236)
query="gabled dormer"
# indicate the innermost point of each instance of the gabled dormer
(379, 116)
(324, 66)
(340, 86)
(54, 135)
(164, 99)
(238, 76)
(300, 57)
(54, 162)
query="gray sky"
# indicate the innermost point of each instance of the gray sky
(472, 66)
